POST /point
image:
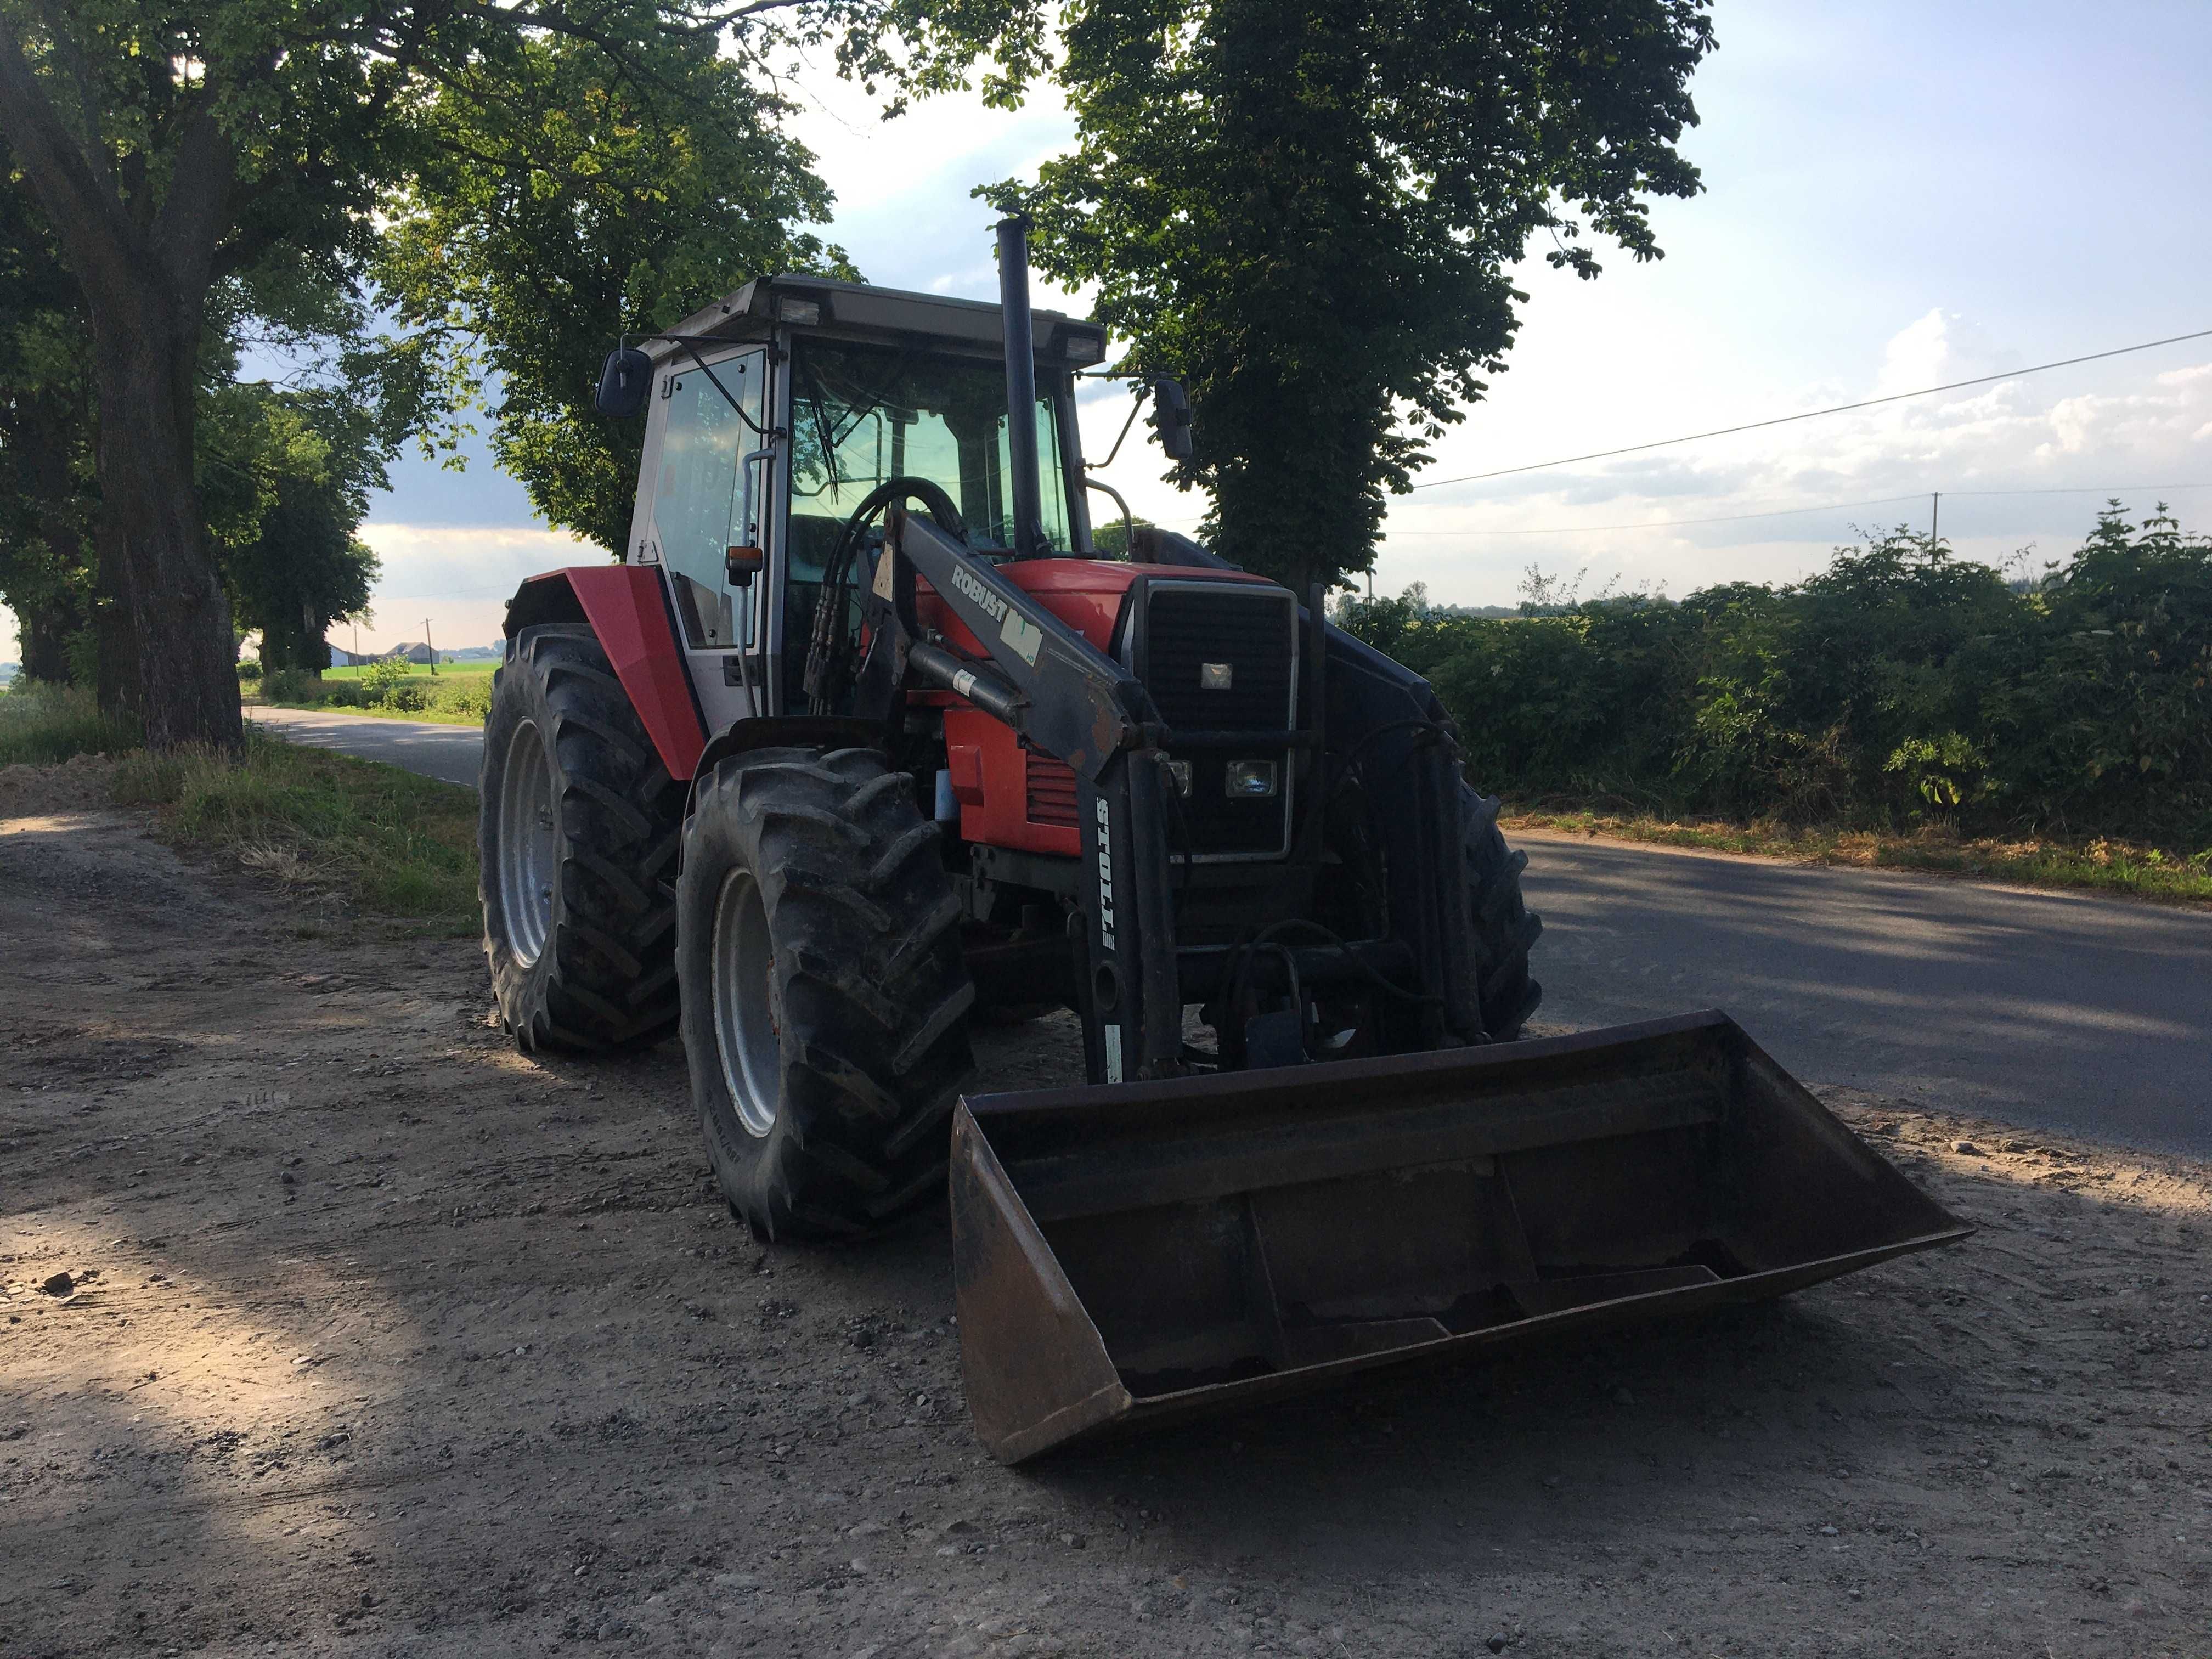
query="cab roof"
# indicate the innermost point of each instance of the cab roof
(857, 309)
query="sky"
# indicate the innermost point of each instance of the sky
(1897, 195)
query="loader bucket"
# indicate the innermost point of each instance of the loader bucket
(1133, 1254)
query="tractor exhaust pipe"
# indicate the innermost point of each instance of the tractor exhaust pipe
(1021, 385)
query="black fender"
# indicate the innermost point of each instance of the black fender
(780, 732)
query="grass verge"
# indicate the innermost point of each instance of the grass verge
(2040, 861)
(44, 725)
(387, 840)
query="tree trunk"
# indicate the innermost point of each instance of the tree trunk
(114, 632)
(53, 609)
(46, 628)
(315, 651)
(144, 266)
(146, 356)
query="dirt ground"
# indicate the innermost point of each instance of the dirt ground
(378, 1337)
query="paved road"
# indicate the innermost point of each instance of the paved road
(2050, 1010)
(449, 752)
(2053, 1009)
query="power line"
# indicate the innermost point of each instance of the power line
(1813, 413)
(2084, 489)
(1790, 511)
(1664, 524)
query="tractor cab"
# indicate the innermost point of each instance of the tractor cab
(772, 416)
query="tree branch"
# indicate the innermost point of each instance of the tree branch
(88, 103)
(197, 212)
(104, 248)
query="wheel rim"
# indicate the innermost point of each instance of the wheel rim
(746, 1004)
(529, 843)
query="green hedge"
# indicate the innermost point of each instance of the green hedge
(385, 687)
(1898, 685)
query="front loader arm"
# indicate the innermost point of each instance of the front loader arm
(1071, 700)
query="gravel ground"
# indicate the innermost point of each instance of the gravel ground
(334, 1325)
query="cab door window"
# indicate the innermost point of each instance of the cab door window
(706, 498)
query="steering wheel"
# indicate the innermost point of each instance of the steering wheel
(830, 646)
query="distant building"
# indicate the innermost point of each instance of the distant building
(414, 652)
(406, 652)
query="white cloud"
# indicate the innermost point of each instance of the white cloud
(1988, 449)
(457, 579)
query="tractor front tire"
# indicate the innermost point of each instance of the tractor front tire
(1504, 926)
(577, 832)
(825, 998)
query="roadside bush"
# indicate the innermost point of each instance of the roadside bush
(469, 694)
(294, 685)
(1899, 686)
(382, 680)
(390, 687)
(42, 725)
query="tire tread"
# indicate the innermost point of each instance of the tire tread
(606, 978)
(875, 991)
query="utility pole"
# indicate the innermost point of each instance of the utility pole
(1934, 517)
(429, 646)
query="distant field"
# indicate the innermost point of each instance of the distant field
(484, 666)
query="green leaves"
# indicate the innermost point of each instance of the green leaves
(1898, 684)
(562, 199)
(285, 476)
(1946, 771)
(1308, 211)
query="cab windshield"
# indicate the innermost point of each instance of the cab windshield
(860, 415)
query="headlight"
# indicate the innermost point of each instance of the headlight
(1180, 771)
(1248, 780)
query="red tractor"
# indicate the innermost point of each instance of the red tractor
(867, 736)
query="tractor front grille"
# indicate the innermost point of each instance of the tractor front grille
(1250, 631)
(1223, 657)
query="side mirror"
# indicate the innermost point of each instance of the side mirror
(624, 382)
(1171, 417)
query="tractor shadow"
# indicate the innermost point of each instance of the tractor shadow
(1589, 1440)
(1984, 1390)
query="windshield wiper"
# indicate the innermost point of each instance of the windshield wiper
(692, 342)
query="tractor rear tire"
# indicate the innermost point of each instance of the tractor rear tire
(1504, 926)
(825, 998)
(577, 833)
